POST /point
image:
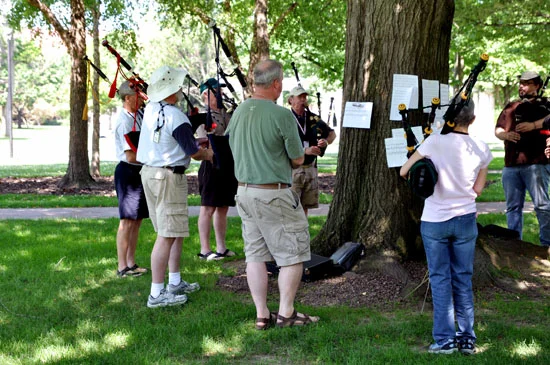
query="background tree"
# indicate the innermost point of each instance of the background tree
(71, 28)
(511, 32)
(372, 204)
(310, 33)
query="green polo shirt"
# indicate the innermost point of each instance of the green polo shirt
(263, 138)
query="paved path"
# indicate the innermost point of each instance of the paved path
(46, 213)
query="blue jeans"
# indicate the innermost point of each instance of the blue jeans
(533, 178)
(450, 248)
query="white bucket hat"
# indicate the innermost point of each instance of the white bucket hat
(165, 81)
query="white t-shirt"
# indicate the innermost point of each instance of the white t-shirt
(166, 151)
(124, 125)
(458, 158)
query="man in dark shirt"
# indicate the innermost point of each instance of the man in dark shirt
(526, 166)
(316, 135)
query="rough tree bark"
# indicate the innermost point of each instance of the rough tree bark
(95, 166)
(74, 38)
(372, 204)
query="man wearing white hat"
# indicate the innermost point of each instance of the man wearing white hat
(316, 135)
(166, 146)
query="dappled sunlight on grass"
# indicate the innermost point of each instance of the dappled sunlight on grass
(223, 346)
(524, 350)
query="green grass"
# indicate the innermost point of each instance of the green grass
(61, 302)
(17, 201)
(106, 168)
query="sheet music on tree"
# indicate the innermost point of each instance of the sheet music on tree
(357, 114)
(404, 91)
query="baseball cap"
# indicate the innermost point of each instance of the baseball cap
(165, 81)
(528, 75)
(297, 90)
(212, 82)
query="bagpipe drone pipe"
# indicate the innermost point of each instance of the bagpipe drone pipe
(318, 124)
(463, 95)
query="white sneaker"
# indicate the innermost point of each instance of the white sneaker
(166, 299)
(183, 287)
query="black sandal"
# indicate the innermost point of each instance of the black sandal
(226, 253)
(127, 272)
(139, 270)
(206, 255)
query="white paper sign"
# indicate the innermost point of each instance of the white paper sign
(430, 90)
(396, 151)
(399, 133)
(357, 114)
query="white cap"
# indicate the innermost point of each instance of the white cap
(297, 90)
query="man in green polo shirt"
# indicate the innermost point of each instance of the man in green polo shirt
(266, 146)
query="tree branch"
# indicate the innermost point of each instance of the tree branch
(52, 19)
(282, 17)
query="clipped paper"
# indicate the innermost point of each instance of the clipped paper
(357, 114)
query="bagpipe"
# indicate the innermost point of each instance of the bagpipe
(332, 113)
(140, 86)
(220, 144)
(422, 175)
(317, 127)
(463, 95)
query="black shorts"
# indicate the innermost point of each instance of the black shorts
(217, 186)
(129, 191)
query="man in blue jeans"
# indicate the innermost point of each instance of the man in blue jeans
(525, 165)
(449, 230)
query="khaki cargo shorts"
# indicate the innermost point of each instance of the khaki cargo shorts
(305, 184)
(166, 195)
(274, 226)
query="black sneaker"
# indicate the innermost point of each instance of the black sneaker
(466, 346)
(447, 348)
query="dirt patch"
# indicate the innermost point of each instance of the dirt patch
(104, 186)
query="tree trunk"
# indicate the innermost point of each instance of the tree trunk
(259, 49)
(372, 204)
(95, 167)
(78, 173)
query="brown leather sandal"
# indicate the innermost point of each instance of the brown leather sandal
(295, 320)
(266, 322)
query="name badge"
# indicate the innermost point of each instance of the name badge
(156, 136)
(306, 144)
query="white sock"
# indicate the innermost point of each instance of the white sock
(174, 278)
(156, 288)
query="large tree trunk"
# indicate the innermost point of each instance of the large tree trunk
(95, 167)
(372, 204)
(259, 49)
(78, 173)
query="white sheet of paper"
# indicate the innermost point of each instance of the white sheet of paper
(430, 90)
(399, 133)
(400, 95)
(357, 114)
(444, 96)
(400, 83)
(396, 152)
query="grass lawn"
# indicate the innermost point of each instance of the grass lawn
(61, 302)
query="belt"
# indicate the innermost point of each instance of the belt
(176, 169)
(265, 186)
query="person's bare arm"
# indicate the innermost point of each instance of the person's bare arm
(297, 162)
(511, 136)
(130, 156)
(479, 185)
